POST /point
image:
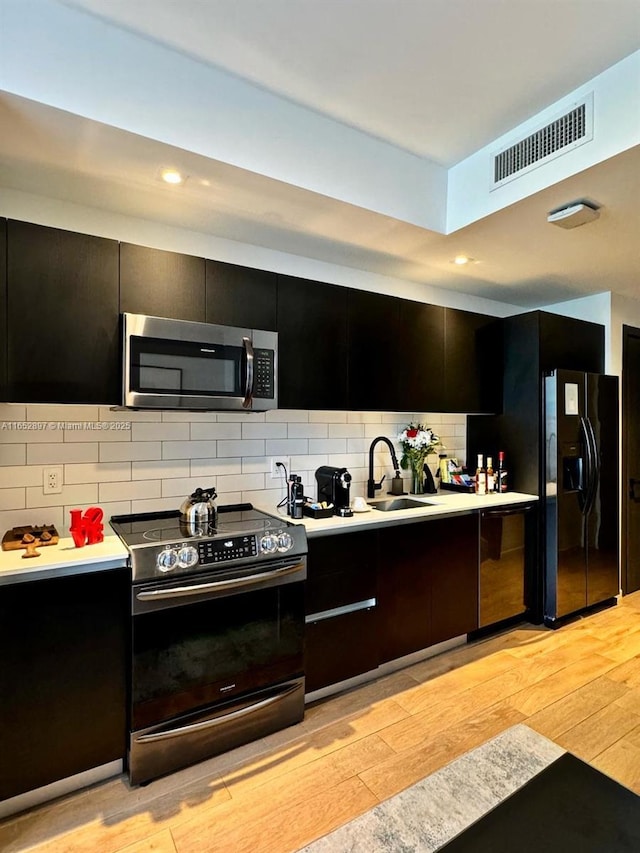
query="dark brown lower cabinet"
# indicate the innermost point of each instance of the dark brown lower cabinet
(375, 596)
(341, 635)
(427, 584)
(62, 677)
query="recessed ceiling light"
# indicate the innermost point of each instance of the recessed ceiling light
(171, 176)
(461, 260)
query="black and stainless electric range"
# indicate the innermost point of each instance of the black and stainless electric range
(217, 644)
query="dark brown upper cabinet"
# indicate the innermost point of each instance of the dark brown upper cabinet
(62, 316)
(375, 348)
(312, 344)
(421, 357)
(161, 284)
(473, 362)
(240, 296)
(3, 309)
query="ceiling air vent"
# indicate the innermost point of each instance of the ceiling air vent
(565, 133)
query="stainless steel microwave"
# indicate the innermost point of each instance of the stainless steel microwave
(176, 364)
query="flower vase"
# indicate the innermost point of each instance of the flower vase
(417, 476)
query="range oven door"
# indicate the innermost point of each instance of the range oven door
(217, 661)
(175, 364)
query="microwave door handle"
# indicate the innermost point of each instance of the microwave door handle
(248, 391)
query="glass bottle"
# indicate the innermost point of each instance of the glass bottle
(481, 477)
(491, 477)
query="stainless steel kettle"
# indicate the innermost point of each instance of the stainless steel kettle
(198, 512)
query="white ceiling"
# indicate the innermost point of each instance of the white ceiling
(440, 78)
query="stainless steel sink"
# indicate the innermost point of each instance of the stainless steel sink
(400, 503)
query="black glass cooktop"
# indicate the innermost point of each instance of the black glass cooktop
(158, 527)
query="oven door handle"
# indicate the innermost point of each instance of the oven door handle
(214, 586)
(218, 721)
(248, 391)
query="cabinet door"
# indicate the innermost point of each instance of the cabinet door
(341, 576)
(312, 344)
(3, 309)
(240, 296)
(404, 590)
(161, 284)
(473, 362)
(570, 344)
(420, 357)
(62, 678)
(375, 347)
(62, 304)
(452, 554)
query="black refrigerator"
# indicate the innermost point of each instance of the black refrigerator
(581, 494)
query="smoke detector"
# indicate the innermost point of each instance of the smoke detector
(574, 214)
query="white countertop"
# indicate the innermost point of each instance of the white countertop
(62, 559)
(434, 506)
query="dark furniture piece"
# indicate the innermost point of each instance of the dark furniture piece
(376, 595)
(312, 344)
(240, 296)
(341, 636)
(568, 806)
(62, 316)
(473, 362)
(428, 583)
(161, 284)
(62, 677)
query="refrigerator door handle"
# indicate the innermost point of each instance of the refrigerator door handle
(593, 474)
(586, 496)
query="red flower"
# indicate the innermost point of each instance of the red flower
(412, 433)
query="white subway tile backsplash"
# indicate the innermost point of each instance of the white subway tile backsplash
(287, 416)
(182, 486)
(20, 517)
(346, 430)
(56, 454)
(309, 430)
(364, 417)
(214, 467)
(97, 472)
(264, 430)
(63, 414)
(166, 455)
(76, 495)
(256, 465)
(138, 451)
(12, 498)
(18, 432)
(130, 490)
(327, 445)
(240, 481)
(13, 476)
(210, 432)
(156, 504)
(160, 432)
(287, 447)
(241, 447)
(328, 417)
(160, 469)
(188, 449)
(13, 454)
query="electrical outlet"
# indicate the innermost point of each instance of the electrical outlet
(52, 480)
(276, 471)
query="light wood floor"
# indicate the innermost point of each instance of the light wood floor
(579, 686)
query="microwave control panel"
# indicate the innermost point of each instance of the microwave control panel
(264, 381)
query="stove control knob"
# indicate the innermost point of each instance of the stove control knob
(269, 544)
(167, 560)
(187, 557)
(285, 542)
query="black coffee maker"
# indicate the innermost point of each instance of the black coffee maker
(333, 487)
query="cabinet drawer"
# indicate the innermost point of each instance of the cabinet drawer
(340, 647)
